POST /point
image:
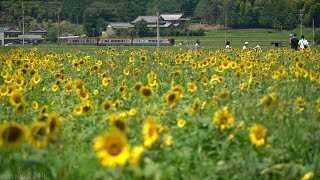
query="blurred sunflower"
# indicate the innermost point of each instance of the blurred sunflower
(87, 106)
(135, 155)
(318, 104)
(106, 105)
(257, 134)
(137, 86)
(149, 132)
(181, 123)
(3, 90)
(36, 78)
(299, 103)
(54, 123)
(143, 58)
(12, 134)
(111, 148)
(192, 87)
(223, 119)
(308, 176)
(178, 89)
(171, 98)
(16, 98)
(146, 92)
(267, 101)
(39, 134)
(118, 122)
(196, 105)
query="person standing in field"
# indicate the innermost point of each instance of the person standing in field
(197, 45)
(294, 42)
(245, 46)
(227, 45)
(303, 43)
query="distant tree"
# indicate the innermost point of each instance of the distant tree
(277, 13)
(141, 28)
(208, 14)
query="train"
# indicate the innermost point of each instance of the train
(120, 41)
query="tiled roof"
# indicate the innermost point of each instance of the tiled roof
(171, 17)
(119, 25)
(149, 19)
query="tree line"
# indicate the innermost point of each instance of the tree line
(95, 14)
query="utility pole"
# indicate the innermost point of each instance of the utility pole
(313, 30)
(158, 29)
(301, 24)
(58, 39)
(93, 31)
(22, 24)
(226, 19)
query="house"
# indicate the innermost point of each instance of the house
(112, 28)
(38, 31)
(1, 36)
(16, 36)
(151, 21)
(176, 20)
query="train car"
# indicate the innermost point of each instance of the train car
(83, 41)
(152, 42)
(115, 42)
(121, 41)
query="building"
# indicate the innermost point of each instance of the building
(176, 20)
(1, 36)
(15, 36)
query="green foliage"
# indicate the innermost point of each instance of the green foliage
(141, 28)
(317, 36)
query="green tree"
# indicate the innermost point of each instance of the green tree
(141, 28)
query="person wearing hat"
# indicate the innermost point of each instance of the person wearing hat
(245, 46)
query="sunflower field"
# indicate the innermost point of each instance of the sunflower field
(167, 113)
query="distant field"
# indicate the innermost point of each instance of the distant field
(262, 37)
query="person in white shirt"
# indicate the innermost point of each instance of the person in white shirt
(303, 43)
(197, 45)
(245, 46)
(227, 45)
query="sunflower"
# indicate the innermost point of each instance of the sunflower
(111, 148)
(44, 109)
(143, 58)
(300, 103)
(181, 123)
(149, 132)
(20, 108)
(222, 119)
(3, 90)
(54, 88)
(318, 105)
(12, 135)
(106, 81)
(257, 134)
(171, 98)
(196, 105)
(178, 89)
(308, 176)
(39, 134)
(83, 94)
(79, 84)
(106, 105)
(54, 123)
(135, 155)
(137, 86)
(267, 101)
(192, 87)
(126, 71)
(87, 106)
(146, 92)
(16, 98)
(118, 122)
(19, 80)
